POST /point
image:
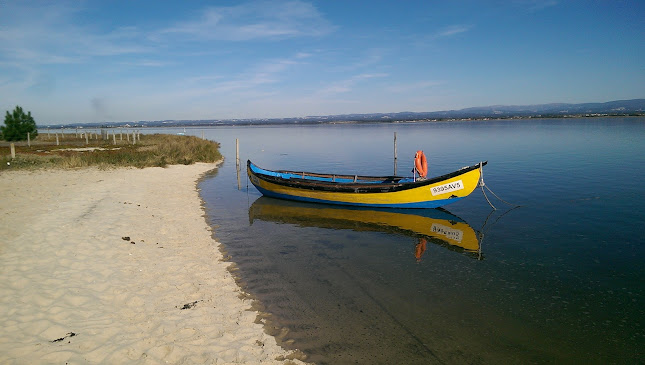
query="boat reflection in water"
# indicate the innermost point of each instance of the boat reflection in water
(437, 226)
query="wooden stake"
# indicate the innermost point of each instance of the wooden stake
(13, 151)
(237, 151)
(237, 162)
(395, 157)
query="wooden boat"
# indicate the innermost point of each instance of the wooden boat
(437, 226)
(368, 191)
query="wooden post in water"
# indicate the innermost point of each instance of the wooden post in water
(237, 162)
(203, 135)
(13, 151)
(237, 151)
(395, 157)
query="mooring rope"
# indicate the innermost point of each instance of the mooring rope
(482, 185)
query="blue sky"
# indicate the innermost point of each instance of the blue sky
(121, 61)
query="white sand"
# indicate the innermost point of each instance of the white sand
(66, 272)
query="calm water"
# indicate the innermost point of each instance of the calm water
(560, 279)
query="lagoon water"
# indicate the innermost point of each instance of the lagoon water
(560, 279)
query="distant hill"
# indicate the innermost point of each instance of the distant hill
(618, 107)
(555, 110)
(612, 107)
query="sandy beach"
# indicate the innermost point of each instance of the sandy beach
(119, 266)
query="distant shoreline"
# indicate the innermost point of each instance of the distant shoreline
(304, 121)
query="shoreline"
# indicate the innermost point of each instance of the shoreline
(119, 266)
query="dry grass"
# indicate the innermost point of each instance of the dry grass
(151, 150)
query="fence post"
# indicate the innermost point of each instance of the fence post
(13, 151)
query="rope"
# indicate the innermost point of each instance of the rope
(482, 185)
(486, 227)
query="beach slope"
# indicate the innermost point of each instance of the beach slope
(118, 266)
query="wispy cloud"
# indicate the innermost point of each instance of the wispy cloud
(147, 63)
(252, 21)
(48, 35)
(451, 31)
(537, 5)
(347, 85)
(411, 87)
(263, 73)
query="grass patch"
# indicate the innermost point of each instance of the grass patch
(152, 150)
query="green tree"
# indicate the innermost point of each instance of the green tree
(17, 125)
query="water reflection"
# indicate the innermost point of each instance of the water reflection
(437, 226)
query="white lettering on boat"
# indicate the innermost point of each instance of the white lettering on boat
(446, 188)
(450, 233)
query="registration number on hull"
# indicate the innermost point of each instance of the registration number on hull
(450, 233)
(446, 188)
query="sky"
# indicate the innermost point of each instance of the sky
(122, 61)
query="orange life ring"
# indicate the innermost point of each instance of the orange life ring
(421, 164)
